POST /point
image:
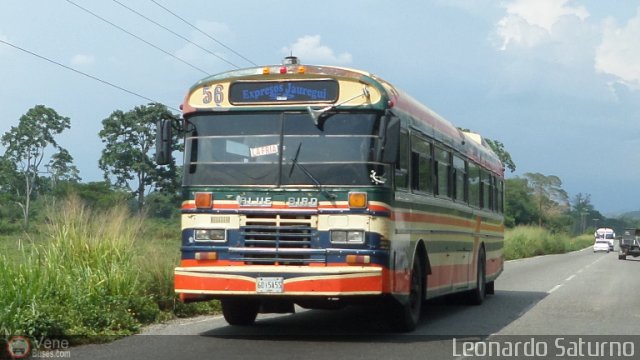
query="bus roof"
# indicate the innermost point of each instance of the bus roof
(383, 96)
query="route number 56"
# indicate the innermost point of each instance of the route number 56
(217, 95)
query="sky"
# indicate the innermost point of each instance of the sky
(556, 81)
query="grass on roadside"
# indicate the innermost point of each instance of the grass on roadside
(90, 275)
(527, 241)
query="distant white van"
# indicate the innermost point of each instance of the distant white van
(606, 234)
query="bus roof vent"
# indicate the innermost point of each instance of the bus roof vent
(291, 60)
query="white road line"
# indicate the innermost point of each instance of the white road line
(572, 276)
(554, 288)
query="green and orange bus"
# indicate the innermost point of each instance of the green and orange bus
(322, 186)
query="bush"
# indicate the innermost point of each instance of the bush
(527, 241)
(81, 281)
(90, 274)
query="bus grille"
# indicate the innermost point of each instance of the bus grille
(279, 238)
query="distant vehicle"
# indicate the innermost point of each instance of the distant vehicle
(629, 244)
(606, 234)
(601, 245)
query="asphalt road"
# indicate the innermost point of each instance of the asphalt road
(559, 305)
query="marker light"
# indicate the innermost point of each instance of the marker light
(357, 200)
(206, 256)
(204, 200)
(358, 259)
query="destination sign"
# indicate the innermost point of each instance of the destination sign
(256, 92)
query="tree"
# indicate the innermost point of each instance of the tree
(129, 140)
(61, 167)
(520, 206)
(551, 198)
(26, 145)
(503, 154)
(9, 210)
(582, 211)
(499, 150)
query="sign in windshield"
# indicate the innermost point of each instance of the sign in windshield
(257, 92)
(280, 149)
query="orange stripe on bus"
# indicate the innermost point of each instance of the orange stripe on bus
(324, 284)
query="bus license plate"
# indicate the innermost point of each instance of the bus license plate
(269, 285)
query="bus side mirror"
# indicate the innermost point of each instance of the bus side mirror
(163, 142)
(391, 141)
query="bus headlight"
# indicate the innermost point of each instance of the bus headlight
(347, 237)
(210, 235)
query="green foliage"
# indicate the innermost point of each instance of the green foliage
(550, 197)
(520, 208)
(91, 273)
(502, 153)
(26, 145)
(78, 282)
(526, 241)
(127, 157)
(99, 196)
(62, 169)
(162, 205)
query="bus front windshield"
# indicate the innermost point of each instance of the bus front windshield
(282, 149)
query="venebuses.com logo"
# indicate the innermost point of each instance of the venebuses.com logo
(20, 347)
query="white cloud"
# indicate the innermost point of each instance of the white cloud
(309, 49)
(619, 52)
(83, 60)
(529, 23)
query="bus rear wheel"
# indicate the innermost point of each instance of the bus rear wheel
(240, 312)
(477, 295)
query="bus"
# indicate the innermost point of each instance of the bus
(323, 186)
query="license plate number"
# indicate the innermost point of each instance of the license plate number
(269, 284)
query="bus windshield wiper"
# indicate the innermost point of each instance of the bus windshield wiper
(319, 115)
(295, 163)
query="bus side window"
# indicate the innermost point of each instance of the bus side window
(402, 164)
(420, 164)
(485, 190)
(459, 179)
(443, 172)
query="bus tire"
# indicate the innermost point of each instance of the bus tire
(405, 317)
(240, 312)
(477, 295)
(491, 288)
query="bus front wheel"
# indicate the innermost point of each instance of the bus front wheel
(240, 312)
(405, 317)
